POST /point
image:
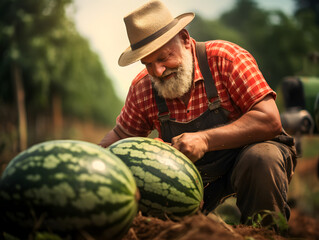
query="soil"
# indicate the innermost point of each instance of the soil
(201, 227)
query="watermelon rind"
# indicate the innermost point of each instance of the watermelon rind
(169, 183)
(67, 186)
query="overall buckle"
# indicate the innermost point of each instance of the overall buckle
(214, 105)
(163, 117)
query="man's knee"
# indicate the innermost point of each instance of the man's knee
(260, 162)
(259, 157)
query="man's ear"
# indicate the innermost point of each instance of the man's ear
(185, 38)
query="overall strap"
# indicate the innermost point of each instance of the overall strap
(163, 113)
(210, 87)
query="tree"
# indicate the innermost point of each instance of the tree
(204, 29)
(307, 14)
(281, 44)
(50, 66)
(20, 23)
(308, 6)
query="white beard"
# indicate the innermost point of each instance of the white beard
(178, 85)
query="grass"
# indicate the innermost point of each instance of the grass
(310, 146)
(277, 221)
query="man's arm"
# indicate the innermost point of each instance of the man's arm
(114, 135)
(260, 123)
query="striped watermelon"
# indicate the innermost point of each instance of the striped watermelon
(169, 182)
(67, 186)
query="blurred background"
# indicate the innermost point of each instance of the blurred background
(59, 77)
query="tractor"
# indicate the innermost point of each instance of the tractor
(301, 108)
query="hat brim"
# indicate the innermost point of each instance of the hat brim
(130, 56)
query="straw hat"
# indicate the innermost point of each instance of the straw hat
(149, 28)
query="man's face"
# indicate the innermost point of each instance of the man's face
(171, 69)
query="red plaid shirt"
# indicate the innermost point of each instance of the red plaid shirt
(238, 81)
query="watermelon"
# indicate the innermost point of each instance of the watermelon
(169, 183)
(67, 187)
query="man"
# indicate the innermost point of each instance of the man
(222, 116)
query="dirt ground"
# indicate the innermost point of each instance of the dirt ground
(201, 227)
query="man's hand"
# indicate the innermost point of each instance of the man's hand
(193, 145)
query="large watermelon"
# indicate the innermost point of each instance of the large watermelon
(67, 187)
(169, 182)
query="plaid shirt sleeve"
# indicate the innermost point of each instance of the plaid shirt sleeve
(238, 71)
(133, 117)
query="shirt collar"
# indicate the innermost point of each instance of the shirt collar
(197, 73)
